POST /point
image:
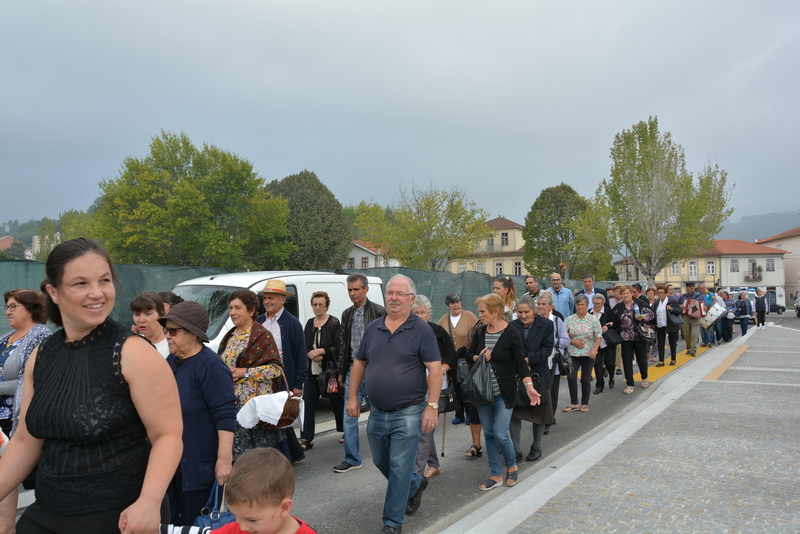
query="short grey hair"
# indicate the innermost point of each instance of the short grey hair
(422, 302)
(527, 300)
(582, 298)
(600, 297)
(412, 288)
(548, 296)
(358, 277)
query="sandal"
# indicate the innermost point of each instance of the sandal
(511, 478)
(306, 444)
(572, 408)
(341, 440)
(476, 451)
(628, 390)
(490, 484)
(645, 384)
(585, 408)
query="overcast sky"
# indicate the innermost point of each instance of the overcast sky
(500, 98)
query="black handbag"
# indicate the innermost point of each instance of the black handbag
(477, 388)
(563, 362)
(462, 370)
(447, 400)
(523, 401)
(328, 383)
(674, 318)
(645, 332)
(612, 337)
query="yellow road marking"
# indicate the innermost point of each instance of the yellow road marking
(721, 368)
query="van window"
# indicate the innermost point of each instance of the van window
(214, 299)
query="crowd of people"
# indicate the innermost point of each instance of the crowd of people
(125, 429)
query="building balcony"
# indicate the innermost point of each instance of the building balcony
(753, 277)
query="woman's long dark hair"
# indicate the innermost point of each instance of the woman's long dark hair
(57, 261)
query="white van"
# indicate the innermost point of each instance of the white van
(213, 291)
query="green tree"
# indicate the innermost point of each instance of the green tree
(550, 239)
(70, 224)
(317, 224)
(427, 229)
(651, 205)
(181, 205)
(613, 275)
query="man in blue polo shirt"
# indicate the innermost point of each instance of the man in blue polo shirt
(398, 348)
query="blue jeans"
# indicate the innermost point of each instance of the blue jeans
(394, 438)
(495, 420)
(744, 322)
(707, 335)
(352, 454)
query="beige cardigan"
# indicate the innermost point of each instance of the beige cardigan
(462, 329)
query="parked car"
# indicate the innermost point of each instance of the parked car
(213, 291)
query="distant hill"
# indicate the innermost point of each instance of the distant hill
(752, 227)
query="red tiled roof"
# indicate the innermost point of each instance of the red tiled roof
(784, 235)
(6, 241)
(737, 246)
(502, 222)
(369, 246)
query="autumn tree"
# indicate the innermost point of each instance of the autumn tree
(550, 239)
(426, 229)
(317, 224)
(183, 205)
(651, 208)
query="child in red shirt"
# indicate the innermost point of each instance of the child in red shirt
(259, 493)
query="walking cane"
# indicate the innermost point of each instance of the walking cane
(444, 429)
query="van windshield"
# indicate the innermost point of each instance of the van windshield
(214, 299)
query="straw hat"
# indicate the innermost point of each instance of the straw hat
(275, 287)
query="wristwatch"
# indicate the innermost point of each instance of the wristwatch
(434, 405)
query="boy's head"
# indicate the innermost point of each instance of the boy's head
(259, 491)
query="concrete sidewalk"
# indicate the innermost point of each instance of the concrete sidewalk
(712, 447)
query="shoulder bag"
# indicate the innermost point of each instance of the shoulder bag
(523, 401)
(612, 337)
(447, 400)
(215, 513)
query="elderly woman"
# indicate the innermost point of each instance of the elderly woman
(606, 355)
(427, 463)
(250, 352)
(650, 298)
(208, 406)
(323, 334)
(504, 286)
(630, 315)
(148, 308)
(665, 308)
(545, 305)
(457, 322)
(538, 334)
(501, 347)
(26, 317)
(109, 469)
(585, 335)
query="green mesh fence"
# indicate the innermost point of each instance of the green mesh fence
(134, 279)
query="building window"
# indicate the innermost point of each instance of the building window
(351, 263)
(734, 266)
(479, 267)
(675, 269)
(711, 267)
(752, 269)
(498, 267)
(364, 262)
(490, 242)
(692, 270)
(771, 265)
(462, 268)
(503, 239)
(517, 268)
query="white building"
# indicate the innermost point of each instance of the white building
(365, 255)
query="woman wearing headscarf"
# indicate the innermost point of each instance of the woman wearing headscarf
(537, 335)
(208, 407)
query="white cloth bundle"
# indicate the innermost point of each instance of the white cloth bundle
(267, 408)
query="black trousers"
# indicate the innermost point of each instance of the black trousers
(585, 364)
(556, 380)
(606, 360)
(661, 337)
(311, 395)
(630, 349)
(37, 520)
(761, 317)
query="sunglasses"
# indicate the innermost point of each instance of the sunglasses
(172, 331)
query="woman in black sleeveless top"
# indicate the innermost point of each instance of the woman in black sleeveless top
(100, 411)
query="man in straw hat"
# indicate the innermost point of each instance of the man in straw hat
(288, 334)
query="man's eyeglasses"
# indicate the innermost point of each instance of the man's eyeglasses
(398, 294)
(11, 307)
(172, 331)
